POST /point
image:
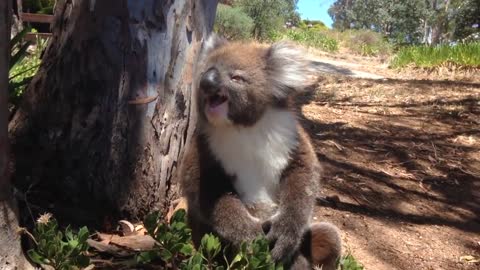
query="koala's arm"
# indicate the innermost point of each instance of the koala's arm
(212, 202)
(298, 189)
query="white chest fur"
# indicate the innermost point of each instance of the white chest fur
(256, 155)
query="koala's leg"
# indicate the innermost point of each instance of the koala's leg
(229, 218)
(199, 228)
(322, 245)
(300, 262)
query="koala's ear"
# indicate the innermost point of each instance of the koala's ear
(288, 68)
(214, 41)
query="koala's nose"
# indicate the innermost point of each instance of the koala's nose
(210, 81)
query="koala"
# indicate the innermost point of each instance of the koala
(250, 169)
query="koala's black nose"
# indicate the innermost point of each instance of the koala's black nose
(210, 81)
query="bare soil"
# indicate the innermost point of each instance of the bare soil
(402, 166)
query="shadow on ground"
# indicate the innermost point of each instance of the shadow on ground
(415, 161)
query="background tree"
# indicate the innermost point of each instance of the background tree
(409, 21)
(268, 15)
(233, 23)
(467, 19)
(399, 20)
(103, 124)
(339, 12)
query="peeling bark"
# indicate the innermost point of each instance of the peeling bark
(105, 121)
(11, 254)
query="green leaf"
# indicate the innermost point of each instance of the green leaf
(35, 257)
(19, 55)
(83, 235)
(146, 256)
(165, 255)
(150, 223)
(19, 36)
(237, 258)
(73, 244)
(187, 249)
(179, 216)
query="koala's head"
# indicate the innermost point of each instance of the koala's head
(240, 81)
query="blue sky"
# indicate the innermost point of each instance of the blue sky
(315, 10)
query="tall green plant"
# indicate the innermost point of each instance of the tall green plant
(313, 38)
(23, 65)
(463, 55)
(58, 249)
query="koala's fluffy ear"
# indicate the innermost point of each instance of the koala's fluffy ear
(211, 43)
(214, 41)
(288, 69)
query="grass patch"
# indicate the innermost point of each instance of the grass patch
(311, 38)
(462, 55)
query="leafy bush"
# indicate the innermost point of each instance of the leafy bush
(38, 6)
(365, 42)
(233, 23)
(348, 262)
(312, 38)
(67, 250)
(23, 65)
(462, 55)
(62, 251)
(173, 241)
(174, 247)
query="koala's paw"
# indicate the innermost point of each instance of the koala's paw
(284, 239)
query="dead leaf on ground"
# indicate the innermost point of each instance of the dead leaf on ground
(469, 259)
(133, 242)
(110, 249)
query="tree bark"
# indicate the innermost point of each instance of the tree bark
(104, 122)
(11, 254)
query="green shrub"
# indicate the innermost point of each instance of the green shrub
(312, 38)
(233, 23)
(348, 262)
(365, 42)
(62, 251)
(34, 6)
(67, 250)
(23, 64)
(463, 55)
(174, 247)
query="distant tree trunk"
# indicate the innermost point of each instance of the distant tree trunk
(11, 255)
(103, 124)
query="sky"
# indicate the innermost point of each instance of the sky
(315, 10)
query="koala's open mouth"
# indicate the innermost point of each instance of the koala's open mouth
(216, 100)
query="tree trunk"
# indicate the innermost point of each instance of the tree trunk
(103, 124)
(11, 255)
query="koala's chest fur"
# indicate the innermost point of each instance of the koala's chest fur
(256, 156)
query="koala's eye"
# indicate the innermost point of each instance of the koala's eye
(238, 78)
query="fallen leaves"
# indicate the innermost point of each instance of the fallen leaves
(131, 238)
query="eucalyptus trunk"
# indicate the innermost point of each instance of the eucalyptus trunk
(104, 123)
(11, 254)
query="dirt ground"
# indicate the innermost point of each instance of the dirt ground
(402, 166)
